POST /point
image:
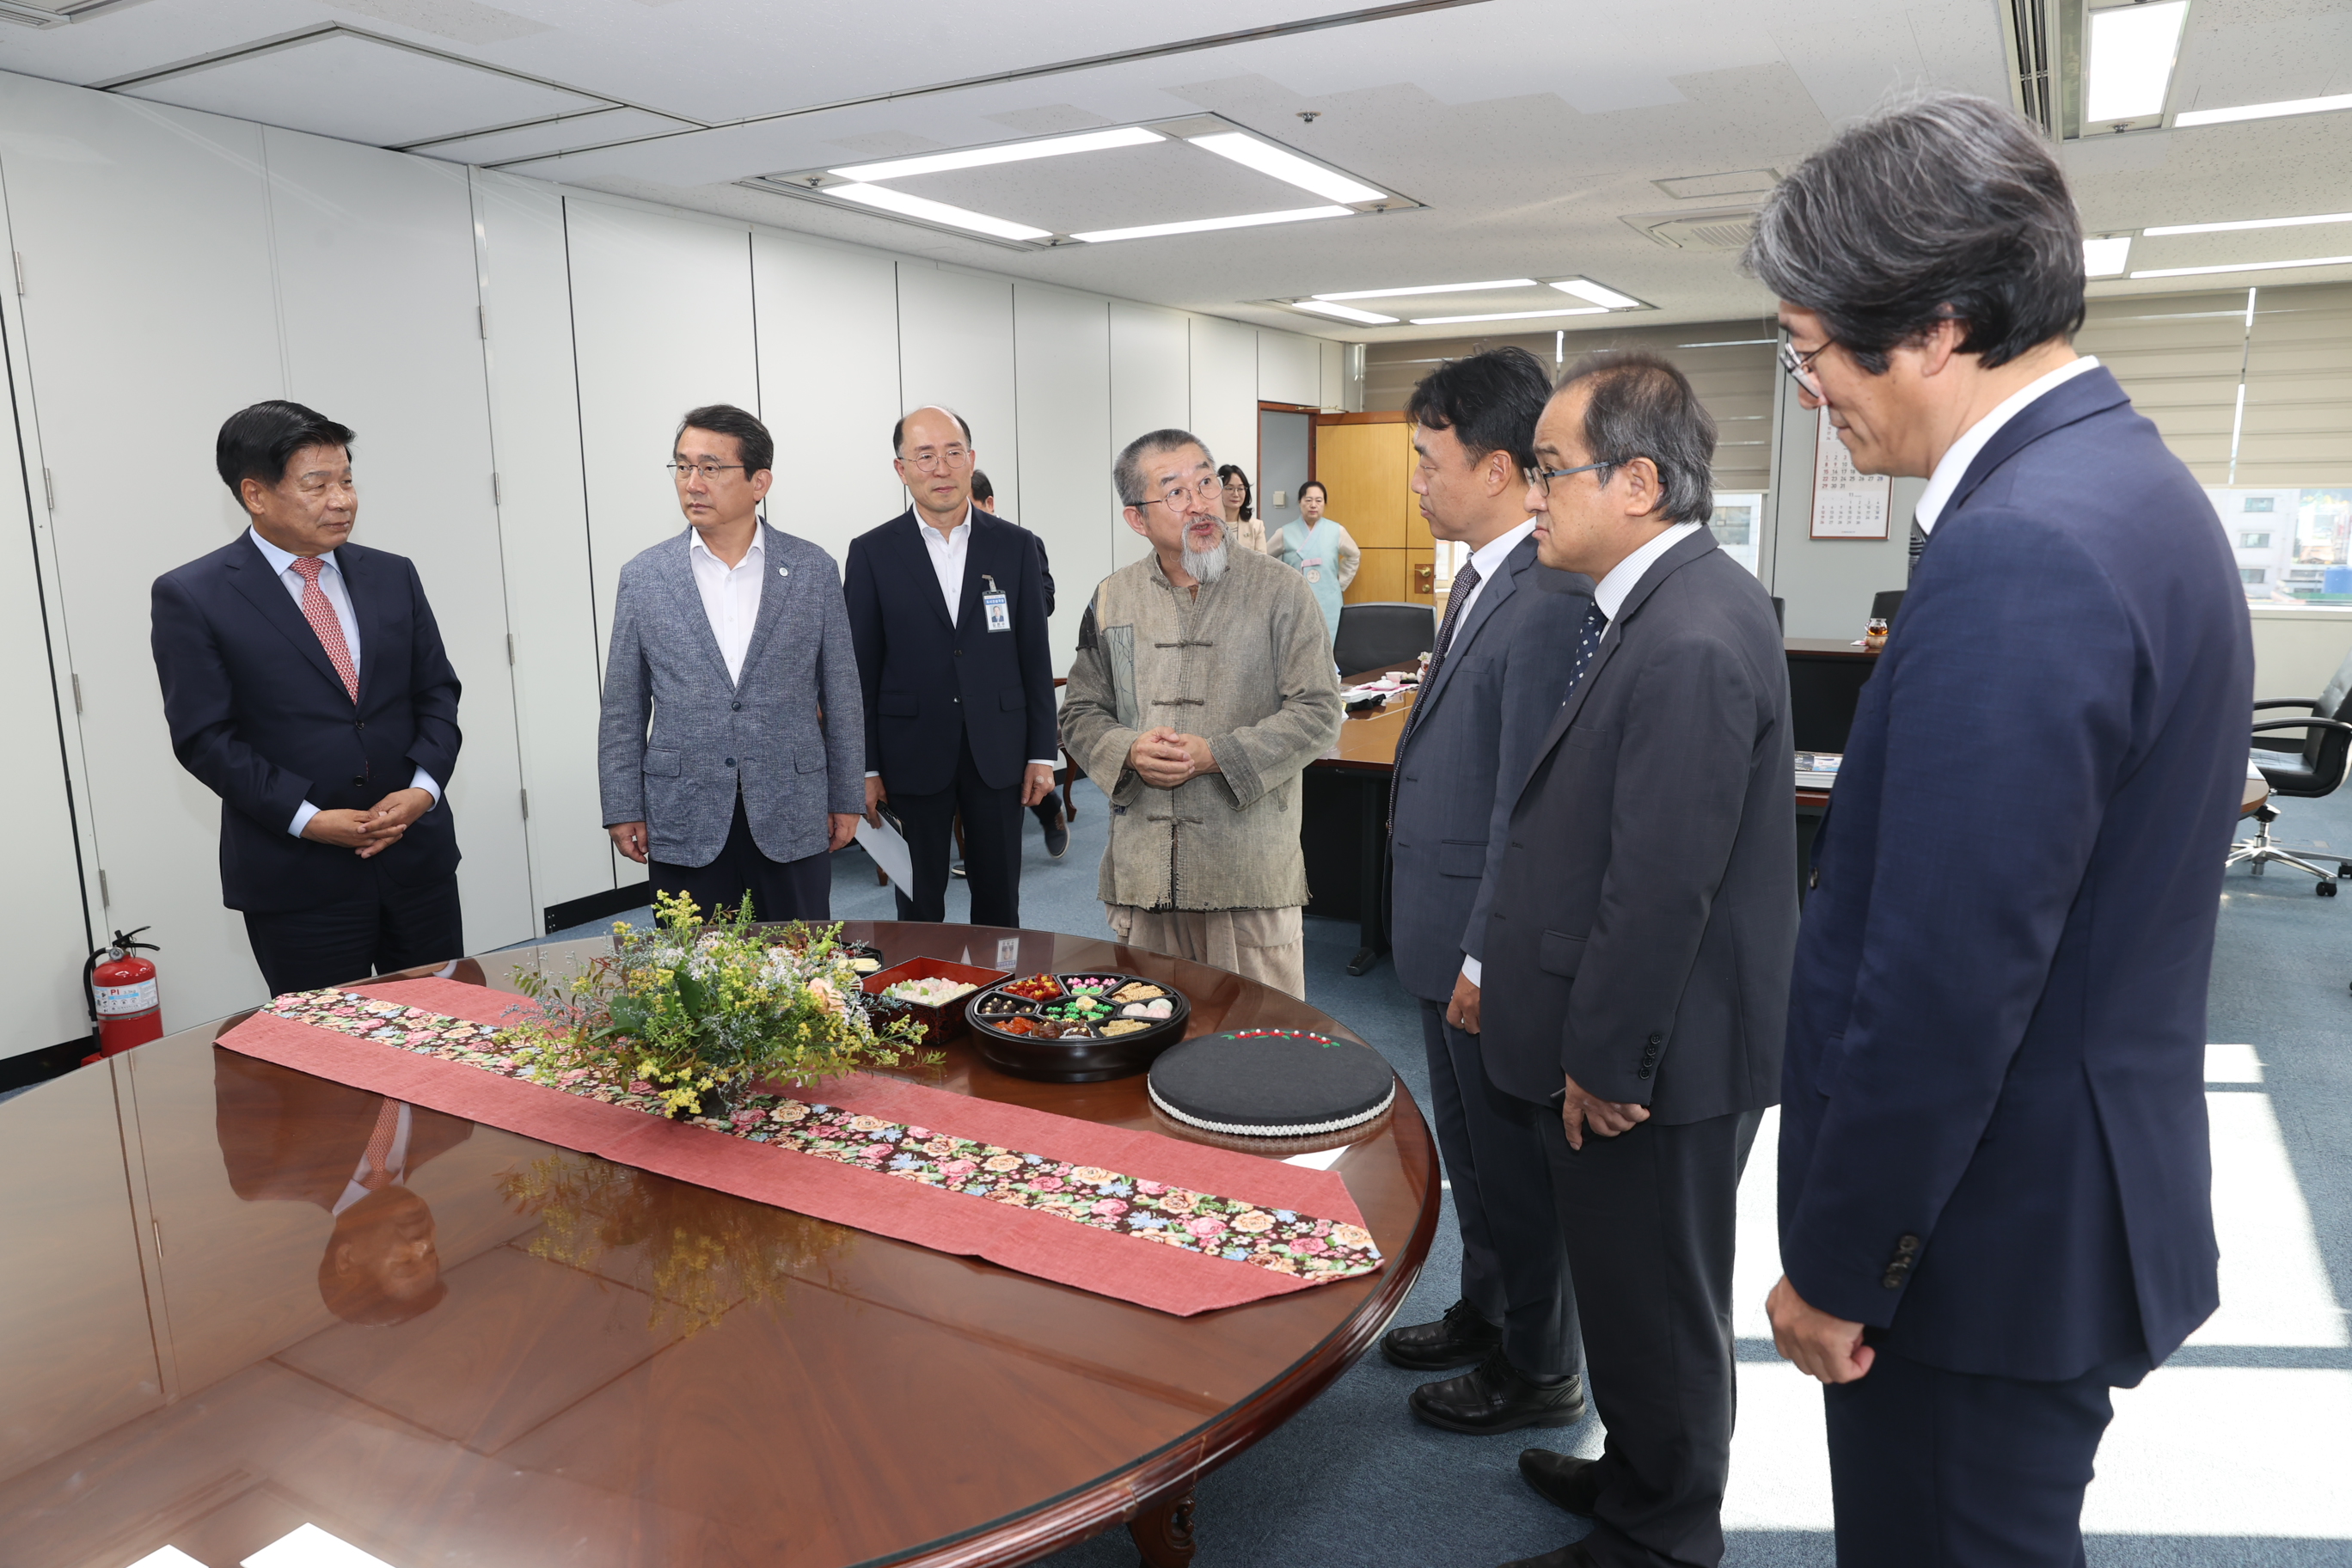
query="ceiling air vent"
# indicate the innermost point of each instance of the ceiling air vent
(1724, 228)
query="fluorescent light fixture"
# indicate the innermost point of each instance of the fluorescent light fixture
(310, 1547)
(1202, 225)
(1344, 312)
(1509, 316)
(1009, 152)
(2248, 223)
(2106, 257)
(172, 1557)
(2263, 111)
(2243, 267)
(1607, 299)
(1432, 288)
(1290, 168)
(905, 206)
(2131, 51)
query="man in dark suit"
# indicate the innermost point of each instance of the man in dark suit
(288, 1137)
(1497, 675)
(305, 684)
(947, 608)
(1638, 942)
(1994, 1179)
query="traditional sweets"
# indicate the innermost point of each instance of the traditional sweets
(1035, 987)
(1092, 984)
(1002, 1006)
(1137, 991)
(864, 965)
(1155, 1011)
(930, 991)
(1124, 1026)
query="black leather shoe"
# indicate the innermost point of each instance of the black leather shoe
(1058, 835)
(1573, 1556)
(1461, 1338)
(1563, 1480)
(1496, 1396)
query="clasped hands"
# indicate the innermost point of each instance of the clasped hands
(372, 832)
(1164, 758)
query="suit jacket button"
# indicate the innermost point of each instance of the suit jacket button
(735, 707)
(1893, 1280)
(1908, 1245)
(358, 779)
(1645, 1072)
(730, 762)
(358, 723)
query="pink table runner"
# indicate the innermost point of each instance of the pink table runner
(1133, 1216)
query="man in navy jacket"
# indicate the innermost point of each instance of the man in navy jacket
(1994, 1169)
(305, 684)
(947, 611)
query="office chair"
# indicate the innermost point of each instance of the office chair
(1780, 615)
(1373, 637)
(1884, 604)
(2325, 751)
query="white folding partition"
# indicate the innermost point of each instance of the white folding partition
(955, 348)
(1061, 354)
(1224, 390)
(828, 322)
(543, 528)
(661, 315)
(1290, 369)
(137, 346)
(1151, 388)
(376, 290)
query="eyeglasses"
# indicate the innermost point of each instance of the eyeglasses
(1542, 476)
(709, 472)
(1208, 490)
(1799, 367)
(944, 459)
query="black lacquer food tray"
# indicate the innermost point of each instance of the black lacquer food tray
(1081, 1059)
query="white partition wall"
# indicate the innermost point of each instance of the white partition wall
(661, 322)
(955, 348)
(826, 392)
(137, 348)
(376, 290)
(1224, 390)
(1289, 368)
(1150, 387)
(1061, 353)
(543, 526)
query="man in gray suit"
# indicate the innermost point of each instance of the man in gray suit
(1497, 675)
(1639, 943)
(733, 639)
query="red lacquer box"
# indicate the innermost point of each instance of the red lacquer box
(943, 1023)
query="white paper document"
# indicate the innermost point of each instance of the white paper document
(890, 853)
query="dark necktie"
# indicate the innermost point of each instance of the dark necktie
(1918, 542)
(1595, 623)
(1464, 581)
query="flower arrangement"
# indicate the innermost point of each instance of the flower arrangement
(692, 1014)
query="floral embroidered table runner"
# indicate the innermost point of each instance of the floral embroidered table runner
(1174, 1225)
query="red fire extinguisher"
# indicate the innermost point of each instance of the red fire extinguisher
(123, 1008)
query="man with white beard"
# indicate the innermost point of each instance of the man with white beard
(1202, 689)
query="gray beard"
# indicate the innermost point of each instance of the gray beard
(1207, 565)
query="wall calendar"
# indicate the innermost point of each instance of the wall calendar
(1847, 502)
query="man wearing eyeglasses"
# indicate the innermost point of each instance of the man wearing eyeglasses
(730, 641)
(946, 607)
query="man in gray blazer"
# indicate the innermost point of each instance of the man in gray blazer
(1497, 675)
(1639, 943)
(733, 639)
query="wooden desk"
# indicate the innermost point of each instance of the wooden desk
(1343, 822)
(679, 1377)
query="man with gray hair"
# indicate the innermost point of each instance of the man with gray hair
(1636, 959)
(1202, 689)
(1995, 1189)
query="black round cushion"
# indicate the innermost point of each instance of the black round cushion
(1272, 1083)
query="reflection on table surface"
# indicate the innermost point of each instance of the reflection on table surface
(243, 1299)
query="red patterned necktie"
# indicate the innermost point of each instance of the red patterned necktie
(321, 616)
(379, 1145)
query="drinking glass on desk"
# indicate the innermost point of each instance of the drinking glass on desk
(1875, 634)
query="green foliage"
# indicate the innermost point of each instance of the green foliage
(695, 1013)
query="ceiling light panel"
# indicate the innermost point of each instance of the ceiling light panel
(1431, 288)
(2263, 111)
(1205, 225)
(1122, 187)
(1509, 316)
(1289, 167)
(2246, 224)
(1607, 299)
(1344, 312)
(926, 211)
(1008, 152)
(2106, 257)
(2132, 49)
(2243, 267)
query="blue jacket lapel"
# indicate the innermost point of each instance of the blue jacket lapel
(685, 602)
(364, 581)
(774, 578)
(916, 552)
(250, 570)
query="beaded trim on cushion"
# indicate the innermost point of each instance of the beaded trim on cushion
(1257, 1129)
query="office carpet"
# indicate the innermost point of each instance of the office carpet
(2232, 1456)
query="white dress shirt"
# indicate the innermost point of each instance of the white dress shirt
(731, 597)
(948, 552)
(1954, 466)
(1489, 560)
(330, 584)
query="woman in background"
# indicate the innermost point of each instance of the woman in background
(1320, 550)
(1240, 519)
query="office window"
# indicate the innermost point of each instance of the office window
(2255, 541)
(1739, 524)
(2252, 575)
(2307, 561)
(2258, 503)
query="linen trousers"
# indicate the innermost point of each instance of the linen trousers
(1268, 945)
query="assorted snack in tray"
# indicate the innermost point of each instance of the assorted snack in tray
(929, 992)
(1075, 1006)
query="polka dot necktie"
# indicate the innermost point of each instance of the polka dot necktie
(1595, 623)
(321, 616)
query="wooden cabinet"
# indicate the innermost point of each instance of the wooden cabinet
(1365, 462)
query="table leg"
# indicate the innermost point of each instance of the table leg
(1372, 879)
(1163, 1532)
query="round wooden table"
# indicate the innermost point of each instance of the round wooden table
(614, 1368)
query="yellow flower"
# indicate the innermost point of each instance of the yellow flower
(1092, 1175)
(1004, 1163)
(1354, 1235)
(1012, 1196)
(1176, 1200)
(867, 1125)
(789, 1111)
(1252, 1221)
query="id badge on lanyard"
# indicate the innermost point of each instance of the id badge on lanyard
(1000, 619)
